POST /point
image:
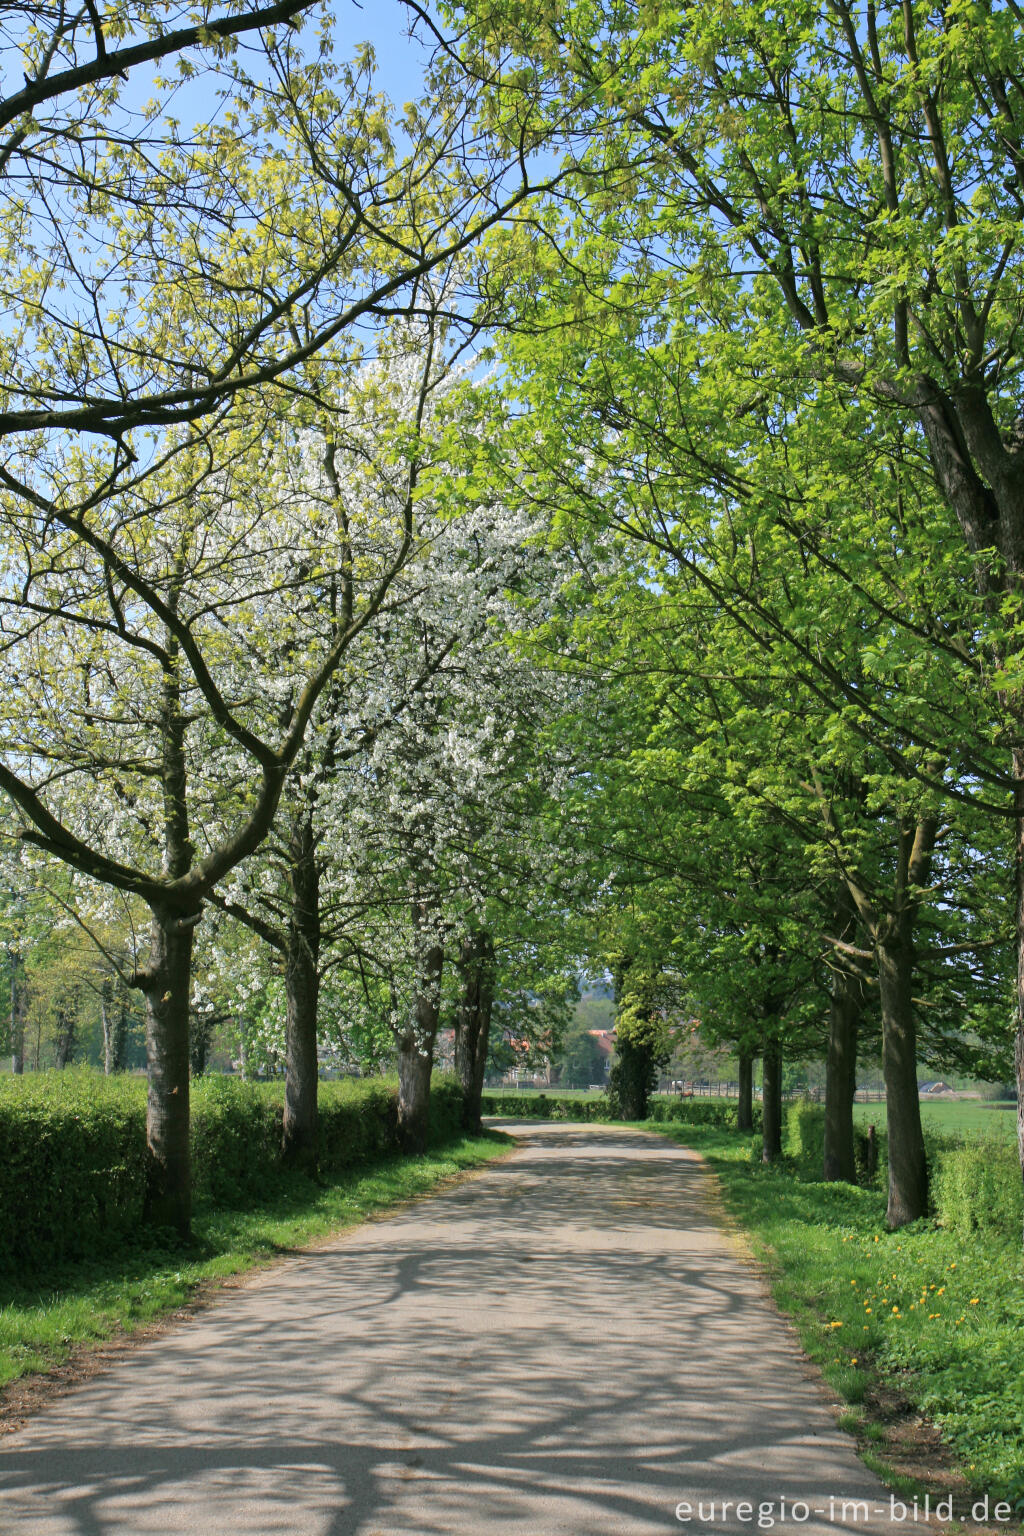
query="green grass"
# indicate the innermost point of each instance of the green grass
(45, 1317)
(938, 1316)
(953, 1117)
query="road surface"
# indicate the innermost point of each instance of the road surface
(566, 1343)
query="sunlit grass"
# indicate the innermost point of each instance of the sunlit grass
(939, 1315)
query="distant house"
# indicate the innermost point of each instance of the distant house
(605, 1041)
(933, 1090)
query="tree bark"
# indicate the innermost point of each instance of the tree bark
(200, 1038)
(166, 985)
(473, 1024)
(67, 1032)
(908, 1172)
(114, 1016)
(302, 993)
(771, 1101)
(745, 1109)
(19, 1007)
(840, 1163)
(1018, 804)
(416, 1052)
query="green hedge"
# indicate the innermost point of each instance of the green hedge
(803, 1137)
(977, 1186)
(539, 1106)
(697, 1112)
(662, 1108)
(72, 1163)
(73, 1146)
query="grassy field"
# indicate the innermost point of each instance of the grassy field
(43, 1319)
(921, 1314)
(950, 1116)
(954, 1117)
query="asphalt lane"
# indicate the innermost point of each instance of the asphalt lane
(566, 1343)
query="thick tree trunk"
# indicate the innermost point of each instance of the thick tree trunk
(166, 984)
(302, 991)
(841, 1077)
(771, 1101)
(19, 1008)
(745, 1110)
(416, 1053)
(473, 1024)
(908, 1172)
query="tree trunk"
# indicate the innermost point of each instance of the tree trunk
(114, 1016)
(166, 983)
(302, 992)
(1018, 802)
(19, 1007)
(771, 1101)
(908, 1173)
(745, 1109)
(841, 1077)
(473, 1024)
(416, 1053)
(200, 1038)
(67, 1032)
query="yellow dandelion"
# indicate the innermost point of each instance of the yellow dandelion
(975, 1300)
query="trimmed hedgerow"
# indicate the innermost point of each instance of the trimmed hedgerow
(542, 1106)
(804, 1135)
(697, 1112)
(73, 1150)
(977, 1187)
(72, 1163)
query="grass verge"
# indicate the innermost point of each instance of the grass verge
(47, 1317)
(920, 1322)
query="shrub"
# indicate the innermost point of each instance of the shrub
(72, 1163)
(694, 1112)
(73, 1150)
(539, 1106)
(804, 1136)
(235, 1136)
(445, 1108)
(977, 1187)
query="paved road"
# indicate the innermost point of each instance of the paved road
(564, 1344)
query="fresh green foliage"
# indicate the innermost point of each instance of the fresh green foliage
(73, 1150)
(804, 1136)
(978, 1189)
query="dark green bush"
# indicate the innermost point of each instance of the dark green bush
(73, 1150)
(977, 1186)
(661, 1107)
(694, 1112)
(804, 1136)
(445, 1108)
(72, 1163)
(236, 1137)
(539, 1106)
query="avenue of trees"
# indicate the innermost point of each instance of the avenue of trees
(573, 521)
